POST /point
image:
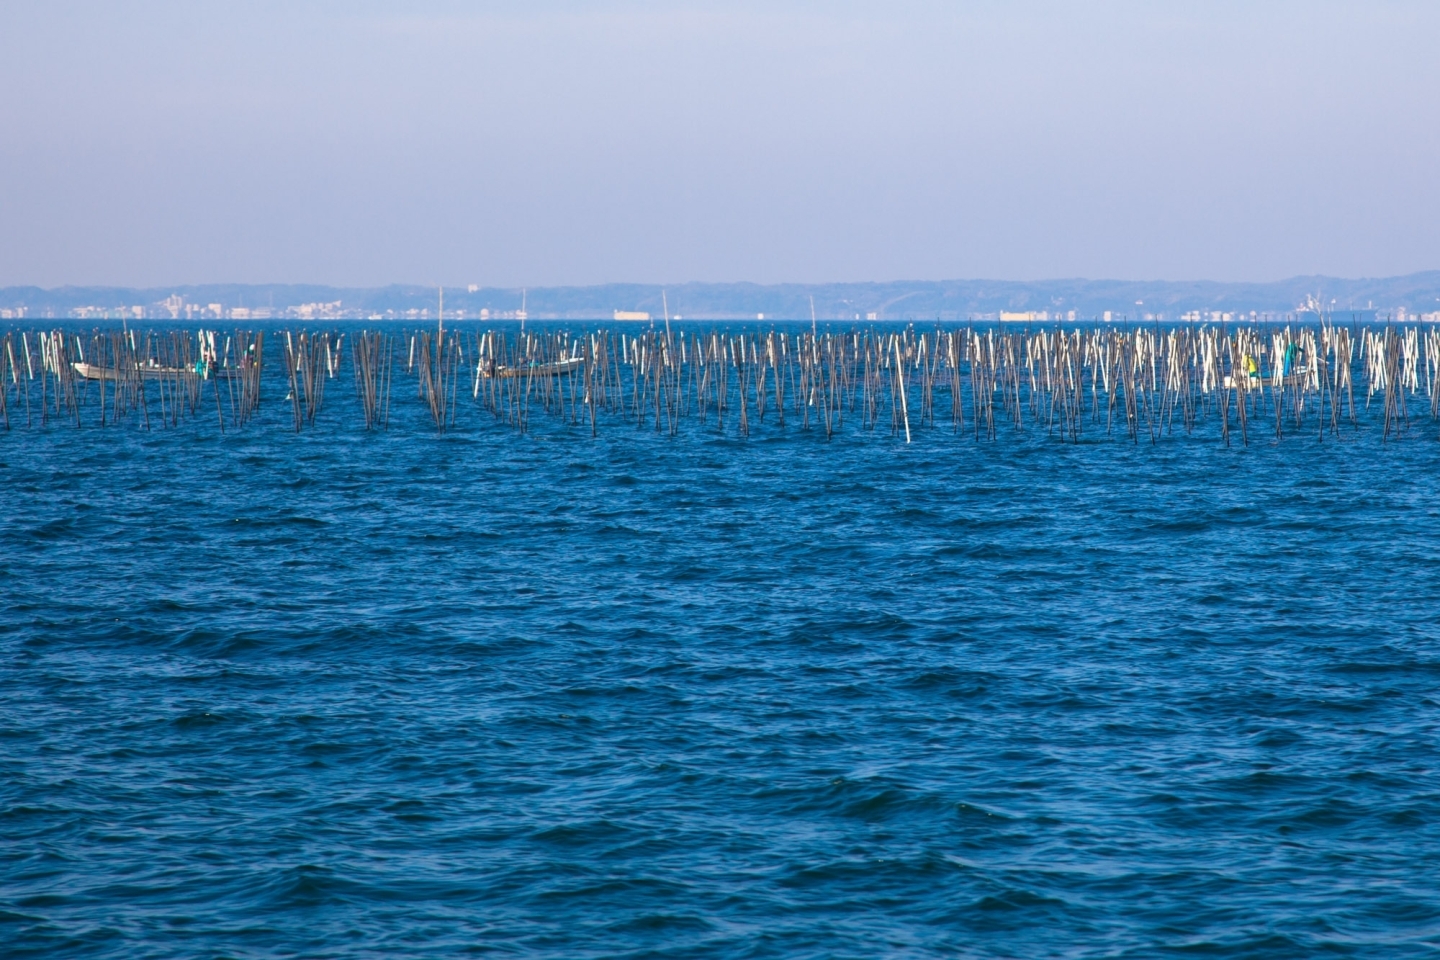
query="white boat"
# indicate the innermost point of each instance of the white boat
(150, 371)
(532, 369)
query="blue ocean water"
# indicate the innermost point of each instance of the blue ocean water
(407, 695)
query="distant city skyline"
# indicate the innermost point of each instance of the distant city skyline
(1411, 298)
(580, 143)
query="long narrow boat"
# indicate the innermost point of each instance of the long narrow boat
(150, 371)
(533, 369)
(1257, 382)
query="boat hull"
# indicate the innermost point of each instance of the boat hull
(555, 369)
(91, 371)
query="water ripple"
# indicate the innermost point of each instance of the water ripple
(393, 695)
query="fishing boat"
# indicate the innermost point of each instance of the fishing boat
(1291, 373)
(1256, 382)
(152, 371)
(533, 369)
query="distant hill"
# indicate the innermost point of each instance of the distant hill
(899, 300)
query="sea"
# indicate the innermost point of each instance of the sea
(399, 693)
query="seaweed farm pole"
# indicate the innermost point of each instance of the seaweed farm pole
(98, 355)
(212, 368)
(1432, 370)
(779, 354)
(1215, 379)
(1277, 381)
(762, 366)
(1318, 365)
(1391, 359)
(365, 362)
(453, 359)
(15, 379)
(357, 370)
(4, 389)
(154, 348)
(292, 368)
(1152, 412)
(162, 379)
(14, 373)
(60, 363)
(389, 364)
(121, 365)
(1337, 377)
(825, 378)
(232, 370)
(1244, 403)
(42, 343)
(30, 371)
(588, 349)
(900, 379)
(661, 379)
(380, 361)
(433, 362)
(24, 382)
(257, 375)
(140, 377)
(952, 358)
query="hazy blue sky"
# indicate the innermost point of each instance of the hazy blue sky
(579, 142)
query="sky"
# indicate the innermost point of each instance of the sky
(361, 143)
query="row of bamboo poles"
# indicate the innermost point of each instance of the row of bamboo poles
(1146, 382)
(119, 376)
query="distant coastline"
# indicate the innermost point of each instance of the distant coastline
(1415, 297)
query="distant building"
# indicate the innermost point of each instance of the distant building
(318, 311)
(1028, 316)
(872, 315)
(631, 315)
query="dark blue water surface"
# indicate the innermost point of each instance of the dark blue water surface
(405, 695)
